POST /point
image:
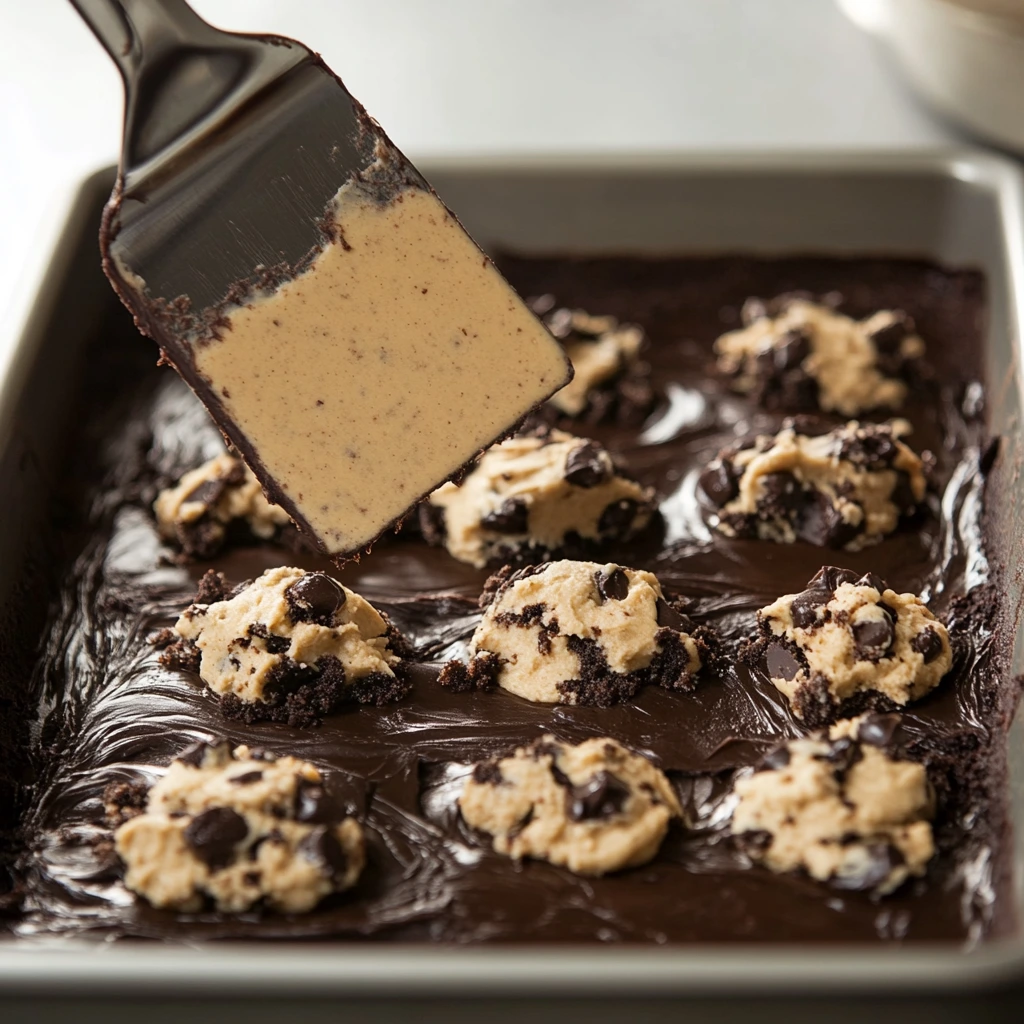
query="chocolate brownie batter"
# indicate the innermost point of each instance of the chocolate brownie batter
(110, 714)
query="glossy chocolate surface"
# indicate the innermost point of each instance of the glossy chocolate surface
(108, 712)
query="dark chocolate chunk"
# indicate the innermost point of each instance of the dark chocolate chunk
(889, 338)
(315, 598)
(612, 586)
(195, 753)
(207, 492)
(807, 606)
(871, 447)
(214, 834)
(669, 618)
(781, 494)
(246, 778)
(314, 804)
(873, 639)
(601, 796)
(878, 730)
(819, 522)
(842, 754)
(618, 517)
(870, 579)
(487, 773)
(584, 466)
(793, 348)
(929, 643)
(719, 482)
(511, 516)
(275, 644)
(781, 662)
(321, 846)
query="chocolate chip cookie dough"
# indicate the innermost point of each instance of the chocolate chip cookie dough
(845, 488)
(579, 633)
(239, 827)
(841, 808)
(198, 511)
(850, 642)
(290, 646)
(534, 495)
(595, 807)
(610, 380)
(796, 355)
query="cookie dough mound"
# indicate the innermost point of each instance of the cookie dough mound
(535, 494)
(239, 828)
(197, 512)
(289, 646)
(580, 633)
(808, 356)
(610, 381)
(846, 488)
(846, 643)
(593, 808)
(839, 807)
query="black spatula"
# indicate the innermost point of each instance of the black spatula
(235, 148)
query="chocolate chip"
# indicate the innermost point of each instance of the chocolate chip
(487, 773)
(585, 467)
(793, 348)
(805, 609)
(314, 804)
(207, 492)
(246, 778)
(600, 796)
(873, 638)
(819, 522)
(274, 644)
(775, 759)
(781, 493)
(781, 662)
(929, 643)
(903, 493)
(719, 482)
(315, 598)
(195, 753)
(842, 754)
(870, 579)
(511, 516)
(618, 517)
(831, 578)
(612, 586)
(872, 447)
(213, 835)
(807, 606)
(321, 846)
(671, 619)
(888, 339)
(878, 730)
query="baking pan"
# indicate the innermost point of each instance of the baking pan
(958, 207)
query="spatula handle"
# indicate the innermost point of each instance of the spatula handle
(134, 31)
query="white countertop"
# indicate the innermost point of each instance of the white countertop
(452, 77)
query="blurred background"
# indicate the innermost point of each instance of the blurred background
(456, 77)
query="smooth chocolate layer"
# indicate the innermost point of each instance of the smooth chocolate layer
(109, 713)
